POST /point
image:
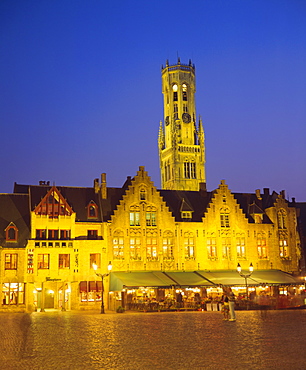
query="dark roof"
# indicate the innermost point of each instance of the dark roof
(15, 208)
(302, 216)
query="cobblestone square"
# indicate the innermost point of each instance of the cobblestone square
(178, 340)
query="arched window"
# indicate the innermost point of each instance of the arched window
(189, 245)
(134, 216)
(152, 253)
(11, 233)
(262, 245)
(168, 245)
(240, 245)
(282, 219)
(211, 247)
(118, 245)
(184, 92)
(92, 210)
(142, 194)
(151, 216)
(174, 89)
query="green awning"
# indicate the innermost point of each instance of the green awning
(156, 279)
(188, 279)
(258, 277)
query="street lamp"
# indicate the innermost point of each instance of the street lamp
(246, 276)
(102, 276)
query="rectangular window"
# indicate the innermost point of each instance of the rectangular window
(11, 261)
(152, 249)
(12, 293)
(118, 248)
(151, 219)
(43, 261)
(53, 234)
(224, 219)
(90, 291)
(134, 219)
(189, 248)
(167, 248)
(211, 248)
(41, 234)
(226, 248)
(261, 247)
(135, 248)
(92, 234)
(95, 258)
(64, 261)
(65, 234)
(240, 245)
(283, 248)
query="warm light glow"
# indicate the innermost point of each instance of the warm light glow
(251, 268)
(95, 266)
(51, 291)
(110, 266)
(239, 268)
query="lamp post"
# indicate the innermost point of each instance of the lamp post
(102, 276)
(246, 276)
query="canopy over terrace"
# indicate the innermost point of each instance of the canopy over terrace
(203, 278)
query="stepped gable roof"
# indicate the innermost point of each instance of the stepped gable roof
(77, 197)
(14, 208)
(197, 202)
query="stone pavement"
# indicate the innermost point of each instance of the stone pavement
(174, 340)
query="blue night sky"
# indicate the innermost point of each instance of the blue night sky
(80, 89)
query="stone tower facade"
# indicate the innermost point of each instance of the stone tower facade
(181, 138)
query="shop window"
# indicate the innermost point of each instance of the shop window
(12, 293)
(11, 233)
(90, 291)
(92, 234)
(95, 258)
(11, 261)
(64, 261)
(43, 261)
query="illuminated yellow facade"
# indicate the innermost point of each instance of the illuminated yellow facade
(52, 235)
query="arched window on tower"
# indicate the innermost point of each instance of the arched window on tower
(184, 91)
(174, 89)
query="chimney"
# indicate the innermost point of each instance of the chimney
(283, 194)
(266, 191)
(202, 187)
(103, 186)
(96, 185)
(257, 192)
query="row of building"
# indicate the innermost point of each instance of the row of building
(180, 240)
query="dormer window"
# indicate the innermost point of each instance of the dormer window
(92, 210)
(11, 233)
(186, 214)
(53, 205)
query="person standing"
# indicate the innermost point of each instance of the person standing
(231, 299)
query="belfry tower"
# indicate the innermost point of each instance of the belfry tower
(180, 139)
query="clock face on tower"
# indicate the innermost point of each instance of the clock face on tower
(186, 117)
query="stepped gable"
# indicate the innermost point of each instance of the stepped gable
(14, 208)
(114, 195)
(198, 201)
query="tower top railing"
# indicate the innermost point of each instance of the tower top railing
(179, 66)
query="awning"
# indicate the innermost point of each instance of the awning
(156, 279)
(203, 278)
(258, 277)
